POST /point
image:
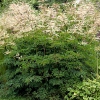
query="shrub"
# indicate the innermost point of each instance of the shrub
(40, 66)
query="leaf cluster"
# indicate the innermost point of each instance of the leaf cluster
(88, 90)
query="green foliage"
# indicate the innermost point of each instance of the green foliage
(14, 98)
(4, 4)
(40, 66)
(2, 67)
(88, 90)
